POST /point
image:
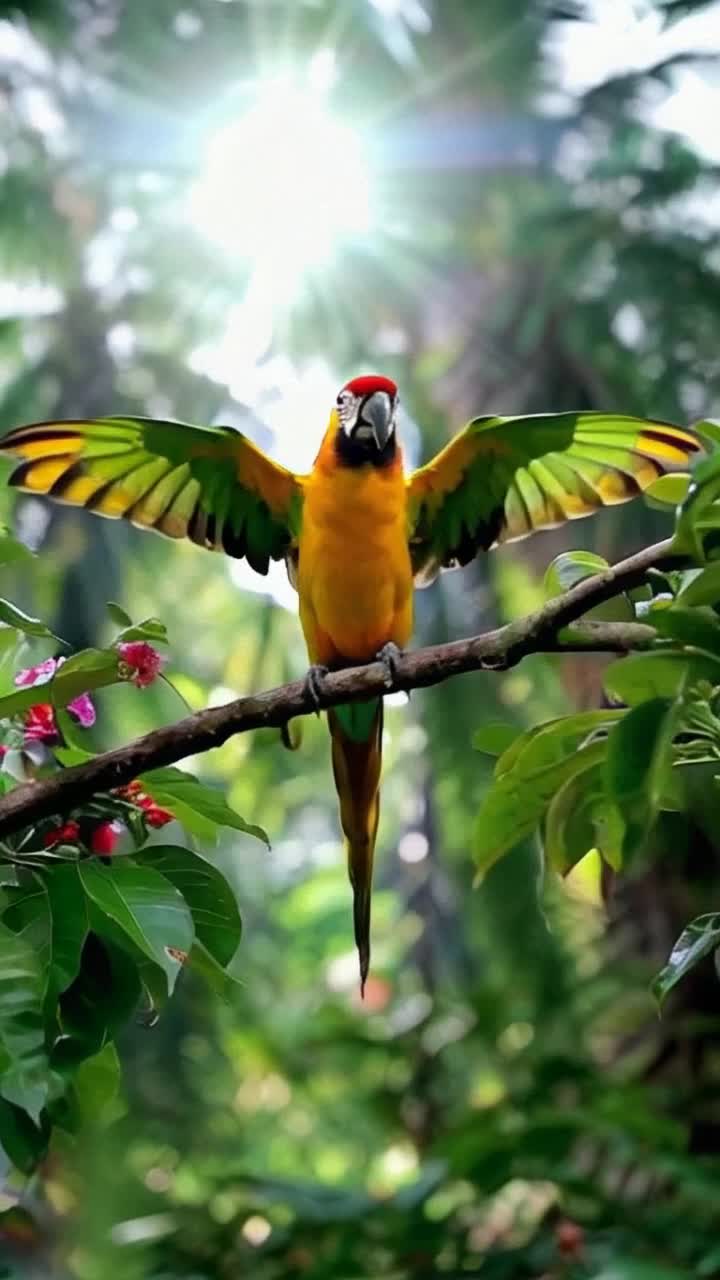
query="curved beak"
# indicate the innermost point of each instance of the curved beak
(377, 413)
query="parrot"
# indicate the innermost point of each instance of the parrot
(357, 533)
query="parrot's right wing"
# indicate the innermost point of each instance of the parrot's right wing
(503, 478)
(210, 484)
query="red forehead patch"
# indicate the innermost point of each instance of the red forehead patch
(370, 382)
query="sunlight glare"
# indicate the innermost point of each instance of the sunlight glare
(283, 186)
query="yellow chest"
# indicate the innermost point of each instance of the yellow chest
(354, 573)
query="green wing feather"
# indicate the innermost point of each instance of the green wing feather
(503, 478)
(210, 484)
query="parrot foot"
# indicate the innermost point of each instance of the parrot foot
(313, 684)
(389, 655)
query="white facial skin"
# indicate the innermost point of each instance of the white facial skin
(349, 407)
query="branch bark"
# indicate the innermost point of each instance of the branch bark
(493, 651)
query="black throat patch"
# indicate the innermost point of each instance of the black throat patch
(351, 452)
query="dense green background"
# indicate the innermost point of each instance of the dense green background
(540, 251)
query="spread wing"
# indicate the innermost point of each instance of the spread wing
(210, 484)
(503, 478)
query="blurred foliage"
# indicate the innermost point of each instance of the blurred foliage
(506, 1102)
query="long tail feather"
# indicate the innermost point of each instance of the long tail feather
(356, 766)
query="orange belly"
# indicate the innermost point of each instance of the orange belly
(354, 572)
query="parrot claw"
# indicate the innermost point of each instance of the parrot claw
(313, 685)
(389, 655)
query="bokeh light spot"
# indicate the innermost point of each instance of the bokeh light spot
(283, 187)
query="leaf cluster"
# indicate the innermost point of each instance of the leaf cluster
(604, 782)
(94, 932)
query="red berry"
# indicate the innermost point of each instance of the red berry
(65, 833)
(104, 838)
(570, 1238)
(155, 816)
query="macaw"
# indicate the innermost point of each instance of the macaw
(357, 533)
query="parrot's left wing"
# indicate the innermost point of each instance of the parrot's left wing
(210, 484)
(503, 478)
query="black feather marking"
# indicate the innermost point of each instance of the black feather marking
(107, 485)
(492, 527)
(481, 538)
(233, 542)
(688, 445)
(30, 435)
(351, 452)
(63, 482)
(258, 560)
(20, 474)
(197, 525)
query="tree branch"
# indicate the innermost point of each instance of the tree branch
(493, 651)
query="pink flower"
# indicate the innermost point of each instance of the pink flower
(83, 710)
(81, 707)
(40, 674)
(67, 833)
(139, 662)
(40, 724)
(105, 837)
(3, 752)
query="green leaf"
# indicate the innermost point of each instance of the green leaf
(631, 1269)
(699, 513)
(698, 627)
(96, 1083)
(13, 704)
(24, 1143)
(494, 737)
(151, 629)
(569, 568)
(709, 430)
(73, 752)
(217, 978)
(582, 817)
(518, 799)
(696, 941)
(10, 642)
(69, 924)
(147, 907)
(90, 669)
(209, 896)
(660, 674)
(48, 910)
(667, 491)
(28, 914)
(14, 617)
(118, 614)
(704, 588)
(24, 1070)
(200, 808)
(555, 739)
(99, 1001)
(151, 977)
(638, 756)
